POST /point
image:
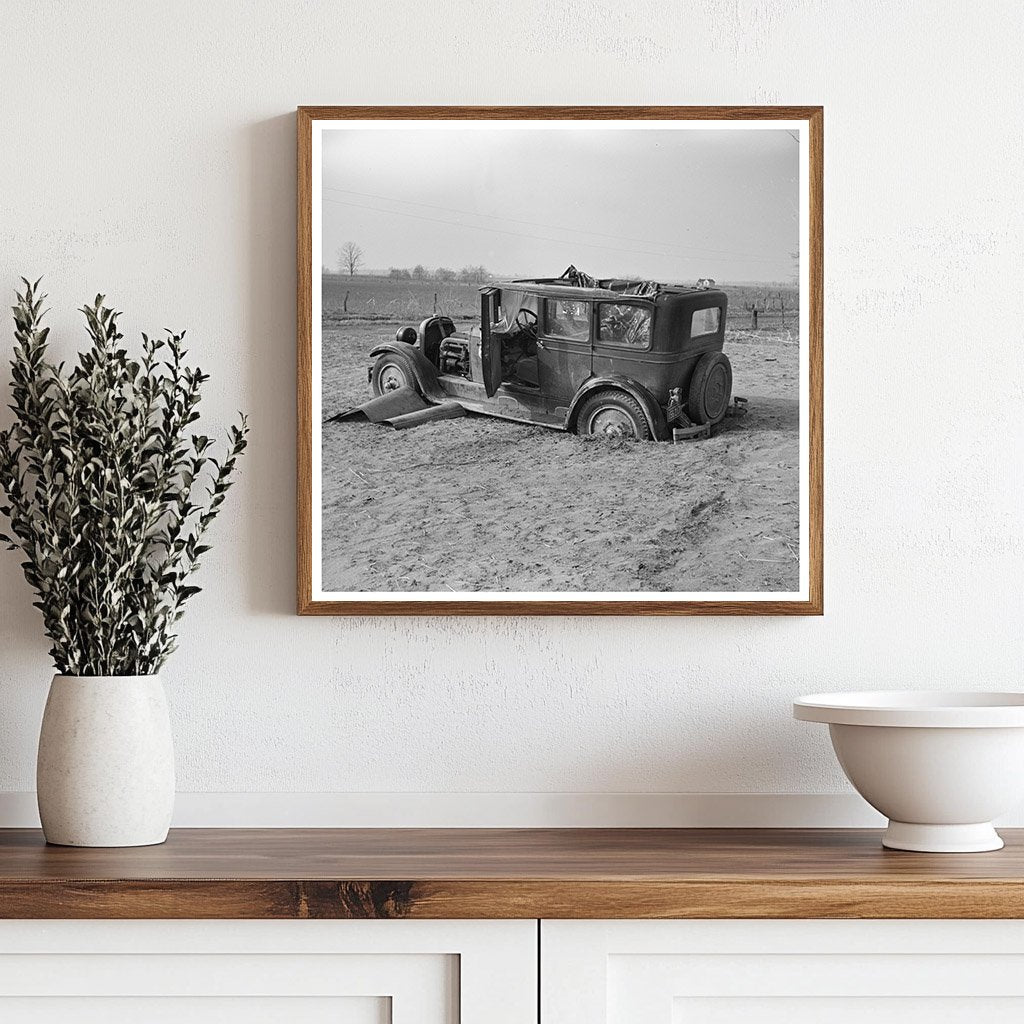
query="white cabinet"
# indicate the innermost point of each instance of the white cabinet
(258, 972)
(782, 972)
(486, 972)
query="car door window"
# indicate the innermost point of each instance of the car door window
(567, 319)
(624, 324)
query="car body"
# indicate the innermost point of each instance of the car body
(623, 358)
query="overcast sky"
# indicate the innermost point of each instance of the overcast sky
(672, 205)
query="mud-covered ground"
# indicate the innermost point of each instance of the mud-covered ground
(478, 503)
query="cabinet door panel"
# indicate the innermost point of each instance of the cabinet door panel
(800, 972)
(301, 972)
(189, 1010)
(847, 1010)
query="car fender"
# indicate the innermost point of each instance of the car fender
(615, 381)
(419, 365)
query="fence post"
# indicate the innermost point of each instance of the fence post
(753, 318)
(345, 307)
(435, 302)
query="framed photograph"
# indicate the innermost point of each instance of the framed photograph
(560, 360)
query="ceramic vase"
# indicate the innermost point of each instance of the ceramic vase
(105, 771)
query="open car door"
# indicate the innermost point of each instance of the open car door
(490, 340)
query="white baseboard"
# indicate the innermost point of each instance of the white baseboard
(503, 810)
(494, 810)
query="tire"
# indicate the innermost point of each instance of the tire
(710, 389)
(612, 413)
(390, 373)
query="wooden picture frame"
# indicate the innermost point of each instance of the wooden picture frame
(809, 600)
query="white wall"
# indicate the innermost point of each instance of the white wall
(148, 152)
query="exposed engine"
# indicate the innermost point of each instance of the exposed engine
(453, 357)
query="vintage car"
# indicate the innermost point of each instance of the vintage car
(607, 357)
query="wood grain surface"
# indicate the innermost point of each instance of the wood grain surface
(508, 873)
(306, 605)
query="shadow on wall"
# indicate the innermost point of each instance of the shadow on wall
(270, 331)
(21, 625)
(266, 180)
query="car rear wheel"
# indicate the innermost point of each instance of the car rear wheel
(613, 414)
(710, 389)
(390, 373)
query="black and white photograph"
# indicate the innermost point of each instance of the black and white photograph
(560, 360)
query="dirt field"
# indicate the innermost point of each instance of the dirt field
(365, 296)
(485, 504)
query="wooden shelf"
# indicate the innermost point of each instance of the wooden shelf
(508, 873)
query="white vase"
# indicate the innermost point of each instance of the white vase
(105, 771)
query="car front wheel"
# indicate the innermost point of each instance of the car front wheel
(613, 414)
(390, 373)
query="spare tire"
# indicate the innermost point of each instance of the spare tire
(710, 389)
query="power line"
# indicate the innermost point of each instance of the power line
(517, 220)
(559, 241)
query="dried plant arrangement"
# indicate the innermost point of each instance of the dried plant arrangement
(109, 494)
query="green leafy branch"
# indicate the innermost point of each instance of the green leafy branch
(109, 494)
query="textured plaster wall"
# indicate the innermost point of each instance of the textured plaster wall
(148, 152)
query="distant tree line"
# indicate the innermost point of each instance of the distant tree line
(469, 275)
(351, 258)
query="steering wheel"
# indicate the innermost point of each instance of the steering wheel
(526, 320)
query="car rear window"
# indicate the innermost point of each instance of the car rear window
(705, 321)
(565, 318)
(624, 324)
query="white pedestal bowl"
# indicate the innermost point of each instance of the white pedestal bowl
(940, 766)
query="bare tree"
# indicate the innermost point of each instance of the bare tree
(444, 274)
(350, 258)
(420, 272)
